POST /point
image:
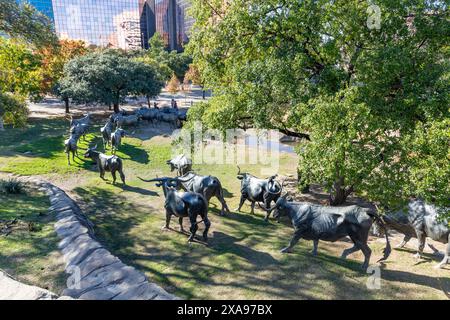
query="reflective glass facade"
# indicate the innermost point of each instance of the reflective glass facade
(170, 19)
(126, 24)
(112, 23)
(44, 6)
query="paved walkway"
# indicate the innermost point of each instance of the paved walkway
(53, 107)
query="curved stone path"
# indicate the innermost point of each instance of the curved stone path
(95, 273)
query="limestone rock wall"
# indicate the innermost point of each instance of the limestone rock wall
(94, 273)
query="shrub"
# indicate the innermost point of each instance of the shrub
(11, 186)
(13, 109)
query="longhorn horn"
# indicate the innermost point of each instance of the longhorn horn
(188, 179)
(239, 172)
(268, 210)
(152, 180)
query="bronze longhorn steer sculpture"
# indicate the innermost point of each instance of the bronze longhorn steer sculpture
(315, 222)
(148, 114)
(171, 116)
(71, 146)
(208, 186)
(106, 132)
(258, 190)
(80, 129)
(106, 163)
(85, 120)
(183, 204)
(116, 139)
(181, 163)
(420, 221)
(131, 120)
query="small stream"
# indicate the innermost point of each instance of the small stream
(252, 141)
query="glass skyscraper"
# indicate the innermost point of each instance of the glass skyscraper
(44, 6)
(113, 23)
(170, 19)
(126, 24)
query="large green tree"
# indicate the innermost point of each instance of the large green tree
(54, 59)
(25, 22)
(26, 29)
(20, 76)
(108, 77)
(367, 92)
(167, 63)
(20, 71)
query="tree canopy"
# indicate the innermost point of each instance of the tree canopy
(107, 77)
(55, 57)
(168, 63)
(371, 104)
(20, 71)
(25, 22)
(13, 110)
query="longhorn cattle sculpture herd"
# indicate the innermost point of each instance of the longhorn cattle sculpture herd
(310, 221)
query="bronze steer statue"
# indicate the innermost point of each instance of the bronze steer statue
(131, 120)
(398, 221)
(258, 190)
(208, 186)
(71, 146)
(183, 204)
(106, 163)
(106, 131)
(181, 163)
(421, 221)
(316, 222)
(116, 139)
(172, 116)
(148, 114)
(80, 129)
(85, 120)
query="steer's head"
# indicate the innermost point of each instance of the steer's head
(241, 175)
(90, 152)
(121, 132)
(280, 207)
(172, 166)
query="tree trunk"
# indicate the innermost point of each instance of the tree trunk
(149, 103)
(203, 94)
(339, 192)
(110, 106)
(116, 107)
(2, 127)
(66, 103)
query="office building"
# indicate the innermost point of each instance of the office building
(126, 24)
(170, 19)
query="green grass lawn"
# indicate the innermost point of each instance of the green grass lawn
(242, 258)
(31, 256)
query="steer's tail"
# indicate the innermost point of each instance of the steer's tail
(387, 250)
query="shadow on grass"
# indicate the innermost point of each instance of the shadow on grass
(138, 190)
(36, 129)
(134, 153)
(425, 257)
(222, 243)
(113, 212)
(50, 147)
